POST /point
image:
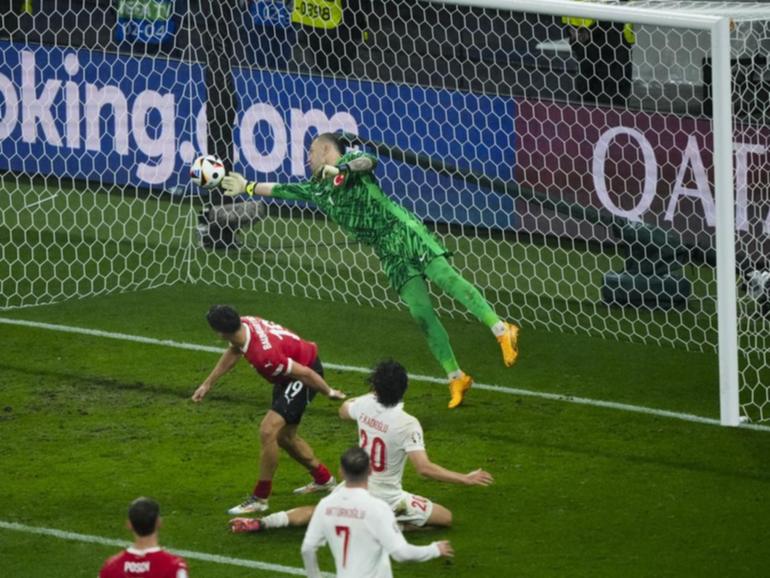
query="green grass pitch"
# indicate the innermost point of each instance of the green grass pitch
(88, 423)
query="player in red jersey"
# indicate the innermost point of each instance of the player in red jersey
(292, 365)
(145, 559)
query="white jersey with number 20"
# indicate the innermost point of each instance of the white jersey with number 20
(387, 434)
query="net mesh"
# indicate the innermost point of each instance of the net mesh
(567, 164)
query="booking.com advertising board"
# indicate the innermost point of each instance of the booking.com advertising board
(123, 120)
(443, 124)
(97, 116)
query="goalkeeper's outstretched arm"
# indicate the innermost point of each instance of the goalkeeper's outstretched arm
(234, 184)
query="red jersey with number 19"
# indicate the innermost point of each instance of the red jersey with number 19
(272, 349)
(150, 563)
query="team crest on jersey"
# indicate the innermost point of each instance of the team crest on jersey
(339, 179)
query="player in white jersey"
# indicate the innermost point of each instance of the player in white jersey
(390, 436)
(360, 529)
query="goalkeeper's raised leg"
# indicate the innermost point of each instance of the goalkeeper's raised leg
(345, 188)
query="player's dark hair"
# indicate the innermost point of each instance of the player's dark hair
(223, 318)
(389, 382)
(143, 515)
(355, 465)
(334, 139)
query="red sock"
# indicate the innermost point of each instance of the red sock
(263, 489)
(320, 474)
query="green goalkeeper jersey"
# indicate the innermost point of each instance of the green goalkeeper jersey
(358, 205)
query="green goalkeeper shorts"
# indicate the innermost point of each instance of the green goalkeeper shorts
(406, 252)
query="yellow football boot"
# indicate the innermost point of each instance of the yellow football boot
(509, 344)
(457, 389)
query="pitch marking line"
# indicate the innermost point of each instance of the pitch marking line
(188, 554)
(40, 202)
(416, 377)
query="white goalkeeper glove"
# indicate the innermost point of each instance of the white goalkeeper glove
(234, 184)
(329, 171)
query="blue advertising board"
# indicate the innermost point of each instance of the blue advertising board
(97, 116)
(280, 112)
(141, 121)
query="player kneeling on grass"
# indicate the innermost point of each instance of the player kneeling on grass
(292, 365)
(360, 529)
(390, 436)
(145, 558)
(345, 188)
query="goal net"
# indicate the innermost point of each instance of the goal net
(567, 160)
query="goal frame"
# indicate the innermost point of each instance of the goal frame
(719, 29)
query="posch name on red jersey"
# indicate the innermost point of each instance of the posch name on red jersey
(151, 563)
(136, 567)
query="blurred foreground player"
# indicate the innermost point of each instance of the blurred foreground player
(292, 365)
(360, 529)
(145, 558)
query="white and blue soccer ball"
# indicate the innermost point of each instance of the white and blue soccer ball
(207, 171)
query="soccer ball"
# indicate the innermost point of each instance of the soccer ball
(207, 171)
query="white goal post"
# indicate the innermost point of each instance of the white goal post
(719, 29)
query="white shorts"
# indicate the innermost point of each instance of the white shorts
(408, 508)
(412, 509)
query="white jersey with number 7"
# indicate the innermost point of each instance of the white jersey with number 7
(387, 434)
(362, 534)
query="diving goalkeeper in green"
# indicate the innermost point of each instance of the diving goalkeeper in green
(344, 187)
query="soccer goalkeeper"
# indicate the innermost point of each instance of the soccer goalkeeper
(344, 187)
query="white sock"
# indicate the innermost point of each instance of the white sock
(277, 520)
(498, 329)
(455, 375)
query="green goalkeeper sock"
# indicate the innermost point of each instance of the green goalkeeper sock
(445, 276)
(415, 294)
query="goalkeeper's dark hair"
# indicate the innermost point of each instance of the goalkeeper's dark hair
(334, 139)
(355, 465)
(223, 318)
(389, 382)
(143, 516)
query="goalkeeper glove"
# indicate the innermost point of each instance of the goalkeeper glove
(234, 184)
